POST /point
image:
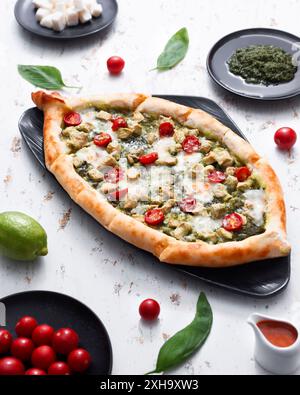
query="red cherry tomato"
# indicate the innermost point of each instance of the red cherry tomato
(59, 369)
(166, 129)
(216, 177)
(118, 195)
(148, 158)
(35, 372)
(115, 65)
(188, 204)
(285, 138)
(154, 217)
(149, 310)
(102, 139)
(79, 360)
(42, 335)
(242, 173)
(10, 366)
(118, 123)
(191, 144)
(25, 326)
(42, 357)
(22, 348)
(114, 176)
(65, 340)
(5, 341)
(72, 119)
(233, 222)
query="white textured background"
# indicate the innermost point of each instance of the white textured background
(84, 260)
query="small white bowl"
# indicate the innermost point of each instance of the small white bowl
(277, 360)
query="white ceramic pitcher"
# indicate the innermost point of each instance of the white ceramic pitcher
(274, 359)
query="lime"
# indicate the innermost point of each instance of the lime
(21, 237)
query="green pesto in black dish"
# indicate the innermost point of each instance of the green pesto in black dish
(263, 64)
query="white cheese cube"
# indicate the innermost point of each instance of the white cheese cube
(42, 4)
(96, 10)
(79, 4)
(85, 16)
(72, 17)
(60, 6)
(89, 4)
(41, 13)
(58, 21)
(47, 21)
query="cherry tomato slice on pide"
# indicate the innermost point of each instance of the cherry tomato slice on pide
(148, 159)
(233, 222)
(102, 139)
(285, 138)
(188, 204)
(114, 176)
(242, 173)
(118, 123)
(118, 195)
(115, 65)
(154, 217)
(72, 119)
(191, 144)
(216, 177)
(166, 129)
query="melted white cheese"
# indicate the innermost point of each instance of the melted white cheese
(205, 224)
(256, 204)
(186, 161)
(162, 147)
(92, 154)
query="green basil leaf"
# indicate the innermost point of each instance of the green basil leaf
(182, 345)
(174, 51)
(46, 77)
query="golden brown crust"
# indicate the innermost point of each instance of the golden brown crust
(272, 243)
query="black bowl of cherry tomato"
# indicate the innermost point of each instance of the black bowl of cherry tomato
(48, 333)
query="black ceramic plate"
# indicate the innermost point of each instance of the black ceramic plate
(259, 279)
(25, 15)
(223, 50)
(62, 311)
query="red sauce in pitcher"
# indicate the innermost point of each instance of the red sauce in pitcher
(280, 334)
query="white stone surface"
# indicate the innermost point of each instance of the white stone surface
(96, 267)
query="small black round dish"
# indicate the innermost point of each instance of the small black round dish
(25, 16)
(62, 311)
(223, 50)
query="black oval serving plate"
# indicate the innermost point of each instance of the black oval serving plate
(259, 279)
(25, 16)
(62, 311)
(223, 50)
